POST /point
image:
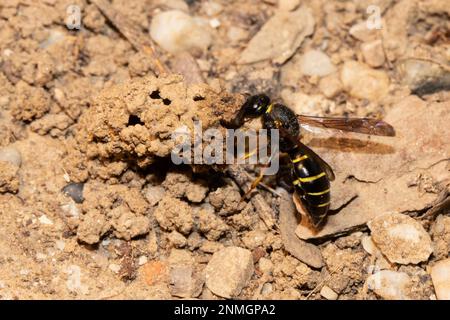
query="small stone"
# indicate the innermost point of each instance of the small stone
(154, 272)
(440, 275)
(390, 285)
(280, 37)
(114, 267)
(373, 53)
(424, 77)
(185, 282)
(363, 82)
(74, 280)
(176, 32)
(45, 220)
(214, 23)
(265, 265)
(328, 293)
(212, 8)
(369, 245)
(401, 238)
(316, 63)
(11, 155)
(254, 239)
(142, 260)
(362, 33)
(330, 85)
(177, 239)
(153, 194)
(75, 191)
(228, 271)
(60, 245)
(288, 5)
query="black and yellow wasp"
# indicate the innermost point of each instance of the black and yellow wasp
(311, 175)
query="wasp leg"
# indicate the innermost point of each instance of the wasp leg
(258, 179)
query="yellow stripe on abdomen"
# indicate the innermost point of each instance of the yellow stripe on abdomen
(300, 158)
(313, 178)
(323, 204)
(319, 193)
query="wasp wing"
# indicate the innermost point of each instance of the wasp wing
(359, 125)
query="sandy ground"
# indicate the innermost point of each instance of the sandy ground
(91, 206)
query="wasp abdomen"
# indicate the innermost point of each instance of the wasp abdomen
(312, 185)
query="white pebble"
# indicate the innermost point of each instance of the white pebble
(114, 267)
(400, 238)
(73, 282)
(214, 23)
(328, 293)
(11, 155)
(45, 220)
(142, 260)
(440, 275)
(316, 63)
(60, 245)
(391, 285)
(176, 31)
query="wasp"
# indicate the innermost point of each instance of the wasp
(310, 174)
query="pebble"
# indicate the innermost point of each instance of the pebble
(363, 82)
(11, 155)
(45, 220)
(316, 63)
(400, 238)
(75, 191)
(73, 282)
(330, 85)
(328, 293)
(184, 282)
(70, 210)
(142, 260)
(254, 239)
(369, 245)
(154, 194)
(212, 8)
(390, 285)
(373, 53)
(177, 239)
(114, 267)
(228, 271)
(176, 32)
(362, 33)
(288, 5)
(440, 275)
(60, 245)
(423, 77)
(265, 265)
(280, 37)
